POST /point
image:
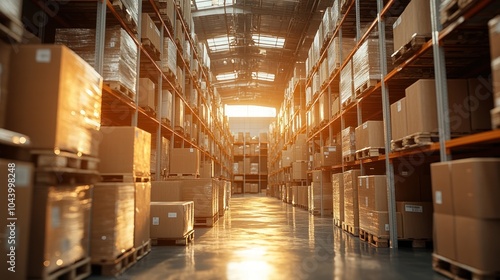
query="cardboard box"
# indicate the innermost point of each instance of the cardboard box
(372, 192)
(125, 149)
(300, 152)
(416, 218)
(398, 119)
(370, 135)
(60, 218)
(495, 73)
(112, 228)
(207, 169)
(295, 194)
(475, 183)
(351, 209)
(299, 170)
(477, 243)
(171, 219)
(346, 84)
(377, 222)
(494, 32)
(415, 19)
(321, 176)
(445, 240)
(442, 188)
(321, 198)
(348, 141)
(422, 115)
(23, 189)
(338, 196)
(286, 158)
(331, 155)
(179, 113)
(164, 158)
(166, 106)
(61, 83)
(142, 213)
(204, 193)
(147, 94)
(407, 183)
(185, 161)
(165, 191)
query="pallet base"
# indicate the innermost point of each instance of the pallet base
(76, 271)
(143, 250)
(11, 28)
(350, 158)
(206, 221)
(64, 175)
(416, 42)
(151, 49)
(354, 231)
(337, 223)
(369, 153)
(185, 240)
(414, 140)
(119, 87)
(47, 159)
(379, 242)
(456, 270)
(125, 13)
(115, 267)
(367, 85)
(184, 176)
(454, 9)
(125, 177)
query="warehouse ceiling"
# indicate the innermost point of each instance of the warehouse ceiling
(253, 44)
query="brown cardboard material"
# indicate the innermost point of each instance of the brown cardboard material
(64, 96)
(398, 119)
(477, 243)
(299, 170)
(321, 197)
(165, 191)
(23, 190)
(286, 158)
(445, 240)
(338, 196)
(351, 208)
(331, 155)
(171, 219)
(185, 161)
(417, 219)
(442, 188)
(300, 152)
(321, 176)
(377, 222)
(372, 192)
(142, 213)
(147, 93)
(407, 183)
(125, 149)
(415, 19)
(204, 193)
(475, 183)
(494, 31)
(370, 135)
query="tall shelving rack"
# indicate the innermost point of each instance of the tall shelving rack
(437, 57)
(118, 109)
(240, 179)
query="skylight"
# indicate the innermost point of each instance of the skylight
(205, 4)
(263, 76)
(226, 76)
(267, 41)
(249, 111)
(220, 43)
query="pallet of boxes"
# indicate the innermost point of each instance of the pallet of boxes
(299, 171)
(64, 152)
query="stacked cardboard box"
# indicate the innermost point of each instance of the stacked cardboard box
(338, 198)
(321, 196)
(336, 50)
(17, 258)
(370, 135)
(366, 64)
(299, 170)
(351, 209)
(399, 126)
(494, 32)
(179, 114)
(150, 34)
(348, 141)
(185, 161)
(61, 84)
(147, 94)
(414, 21)
(171, 219)
(164, 159)
(466, 216)
(141, 213)
(346, 84)
(166, 106)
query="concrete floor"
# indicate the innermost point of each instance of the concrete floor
(263, 238)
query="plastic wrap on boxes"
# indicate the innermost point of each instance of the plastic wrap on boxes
(164, 157)
(351, 209)
(142, 213)
(172, 219)
(60, 219)
(335, 50)
(11, 8)
(334, 16)
(64, 96)
(327, 24)
(166, 106)
(254, 168)
(204, 194)
(120, 52)
(346, 84)
(366, 63)
(338, 196)
(321, 197)
(348, 141)
(112, 220)
(132, 9)
(324, 74)
(169, 56)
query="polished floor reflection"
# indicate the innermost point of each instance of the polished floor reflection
(263, 238)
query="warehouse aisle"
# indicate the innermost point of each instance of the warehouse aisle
(263, 238)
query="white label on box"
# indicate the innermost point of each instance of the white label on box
(365, 125)
(386, 227)
(332, 149)
(172, 214)
(367, 185)
(439, 197)
(398, 105)
(398, 22)
(156, 221)
(151, 25)
(43, 55)
(191, 150)
(414, 208)
(112, 44)
(366, 201)
(55, 214)
(23, 178)
(405, 173)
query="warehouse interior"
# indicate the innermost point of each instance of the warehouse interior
(245, 139)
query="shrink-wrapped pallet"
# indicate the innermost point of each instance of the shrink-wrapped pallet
(169, 56)
(348, 141)
(351, 209)
(346, 84)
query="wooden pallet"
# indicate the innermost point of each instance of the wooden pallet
(149, 111)
(166, 122)
(206, 221)
(151, 49)
(185, 240)
(347, 102)
(337, 223)
(123, 11)
(142, 251)
(414, 140)
(184, 176)
(47, 159)
(368, 84)
(179, 129)
(65, 175)
(76, 271)
(373, 240)
(495, 118)
(455, 270)
(350, 158)
(125, 177)
(369, 153)
(118, 86)
(11, 28)
(354, 231)
(454, 9)
(416, 42)
(115, 267)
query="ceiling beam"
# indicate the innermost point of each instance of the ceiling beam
(242, 9)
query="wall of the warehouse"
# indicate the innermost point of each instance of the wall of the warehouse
(252, 125)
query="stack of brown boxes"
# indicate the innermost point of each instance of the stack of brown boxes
(338, 198)
(171, 220)
(466, 215)
(321, 193)
(330, 155)
(348, 144)
(494, 27)
(184, 161)
(351, 209)
(164, 159)
(369, 135)
(346, 84)
(147, 94)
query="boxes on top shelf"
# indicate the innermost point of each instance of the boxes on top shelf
(65, 99)
(131, 8)
(128, 155)
(415, 20)
(150, 34)
(120, 54)
(171, 219)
